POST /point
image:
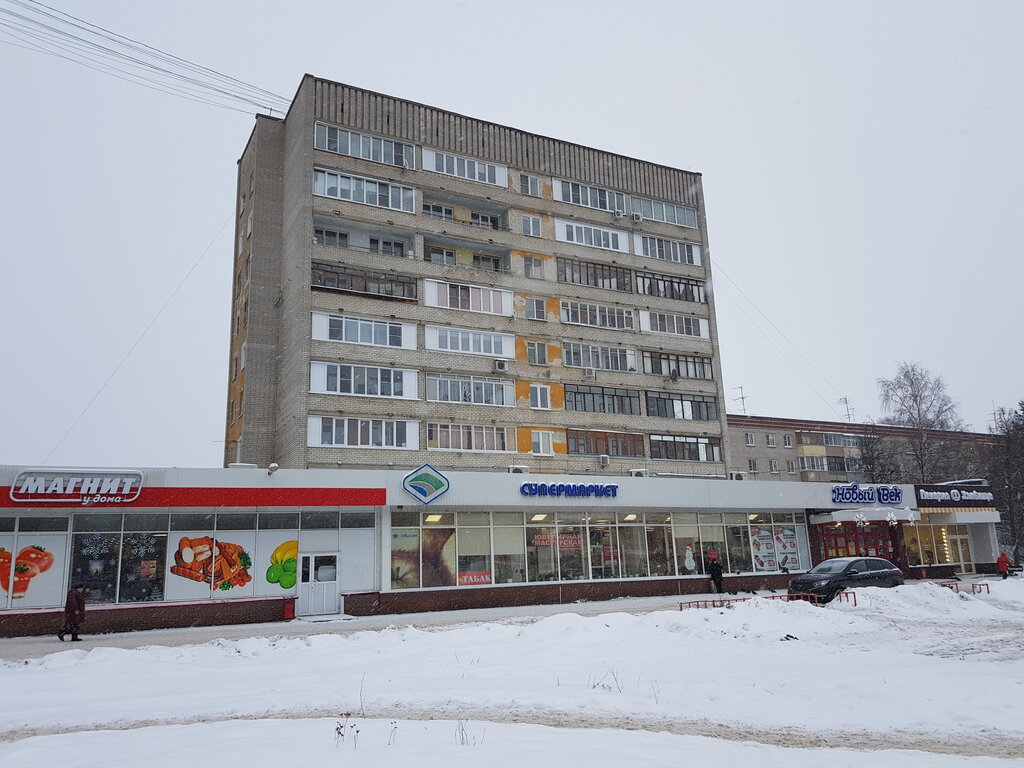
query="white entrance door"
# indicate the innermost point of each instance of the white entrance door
(318, 584)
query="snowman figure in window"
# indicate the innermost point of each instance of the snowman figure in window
(688, 562)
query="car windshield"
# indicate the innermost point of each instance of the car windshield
(830, 566)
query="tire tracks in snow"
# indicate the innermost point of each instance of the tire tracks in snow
(981, 743)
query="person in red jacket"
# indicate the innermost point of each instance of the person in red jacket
(1003, 564)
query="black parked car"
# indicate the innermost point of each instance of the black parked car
(832, 576)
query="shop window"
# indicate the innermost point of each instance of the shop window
(38, 524)
(97, 522)
(509, 553)
(738, 544)
(318, 520)
(142, 567)
(358, 520)
(634, 551)
(712, 541)
(604, 552)
(94, 560)
(243, 521)
(7, 524)
(278, 520)
(541, 554)
(572, 556)
(474, 556)
(405, 558)
(659, 550)
(688, 550)
(192, 522)
(438, 557)
(156, 521)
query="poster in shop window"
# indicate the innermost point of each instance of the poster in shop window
(786, 547)
(762, 545)
(32, 569)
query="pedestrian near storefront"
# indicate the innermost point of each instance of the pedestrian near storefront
(715, 572)
(74, 613)
(1003, 564)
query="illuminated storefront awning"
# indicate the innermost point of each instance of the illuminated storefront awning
(865, 514)
(962, 515)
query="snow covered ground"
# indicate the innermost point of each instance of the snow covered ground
(913, 676)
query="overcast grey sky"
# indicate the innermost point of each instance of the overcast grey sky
(861, 161)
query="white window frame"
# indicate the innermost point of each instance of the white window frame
(448, 255)
(678, 325)
(438, 211)
(666, 249)
(752, 466)
(787, 441)
(340, 425)
(531, 225)
(322, 329)
(598, 356)
(769, 440)
(463, 167)
(320, 375)
(440, 384)
(542, 443)
(540, 347)
(536, 308)
(602, 315)
(813, 464)
(479, 342)
(486, 300)
(372, 148)
(478, 436)
(406, 195)
(592, 236)
(748, 438)
(659, 210)
(773, 466)
(575, 193)
(243, 355)
(529, 185)
(540, 397)
(790, 466)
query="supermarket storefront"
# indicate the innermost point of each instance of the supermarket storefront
(175, 547)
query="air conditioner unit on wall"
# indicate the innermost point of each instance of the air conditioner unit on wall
(636, 217)
(619, 214)
(518, 469)
(638, 473)
(604, 458)
(501, 366)
(737, 475)
(589, 373)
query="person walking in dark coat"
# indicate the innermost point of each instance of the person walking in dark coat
(74, 613)
(1003, 564)
(715, 572)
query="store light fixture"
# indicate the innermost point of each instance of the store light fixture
(629, 518)
(433, 519)
(538, 518)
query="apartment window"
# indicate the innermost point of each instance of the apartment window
(540, 396)
(670, 250)
(748, 438)
(331, 237)
(475, 390)
(358, 330)
(529, 185)
(531, 225)
(440, 255)
(353, 144)
(679, 325)
(601, 399)
(533, 266)
(769, 441)
(597, 315)
(791, 466)
(685, 366)
(752, 466)
(472, 298)
(485, 220)
(345, 379)
(657, 210)
(359, 281)
(535, 309)
(787, 441)
(387, 247)
(467, 437)
(248, 224)
(361, 190)
(592, 197)
(464, 167)
(543, 443)
(489, 262)
(670, 287)
(234, 367)
(244, 354)
(684, 448)
(366, 433)
(471, 342)
(813, 464)
(537, 352)
(773, 466)
(678, 406)
(585, 234)
(838, 440)
(594, 274)
(585, 443)
(578, 355)
(442, 212)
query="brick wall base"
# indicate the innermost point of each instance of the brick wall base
(100, 619)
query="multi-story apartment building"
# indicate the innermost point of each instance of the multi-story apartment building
(771, 448)
(413, 285)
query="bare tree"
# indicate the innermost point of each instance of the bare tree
(914, 398)
(1006, 474)
(878, 457)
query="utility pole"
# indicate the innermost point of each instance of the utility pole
(742, 400)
